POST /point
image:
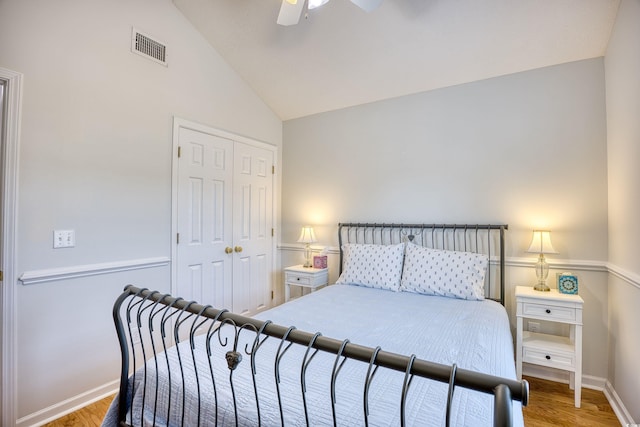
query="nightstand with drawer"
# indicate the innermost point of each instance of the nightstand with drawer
(550, 350)
(306, 277)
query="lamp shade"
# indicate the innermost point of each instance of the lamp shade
(316, 3)
(541, 243)
(307, 235)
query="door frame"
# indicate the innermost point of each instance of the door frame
(9, 146)
(179, 123)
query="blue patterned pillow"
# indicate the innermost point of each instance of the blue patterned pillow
(374, 266)
(445, 273)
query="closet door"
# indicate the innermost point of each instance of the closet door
(252, 227)
(205, 179)
(224, 253)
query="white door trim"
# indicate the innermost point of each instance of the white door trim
(13, 94)
(179, 123)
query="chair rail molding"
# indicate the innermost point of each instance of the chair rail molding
(628, 276)
(72, 272)
(569, 264)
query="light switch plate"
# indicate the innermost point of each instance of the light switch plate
(64, 239)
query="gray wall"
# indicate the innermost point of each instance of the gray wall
(526, 149)
(622, 66)
(95, 157)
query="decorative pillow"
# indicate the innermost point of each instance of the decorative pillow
(374, 266)
(445, 273)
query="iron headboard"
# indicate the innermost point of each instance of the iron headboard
(486, 239)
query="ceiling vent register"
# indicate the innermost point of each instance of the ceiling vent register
(146, 46)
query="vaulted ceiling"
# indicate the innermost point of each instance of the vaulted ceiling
(339, 56)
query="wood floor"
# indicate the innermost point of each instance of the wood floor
(89, 416)
(551, 405)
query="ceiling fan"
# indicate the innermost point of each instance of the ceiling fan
(291, 10)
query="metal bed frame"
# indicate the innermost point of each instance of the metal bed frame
(478, 238)
(148, 323)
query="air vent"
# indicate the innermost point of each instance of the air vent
(145, 45)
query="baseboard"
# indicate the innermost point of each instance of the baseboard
(68, 406)
(618, 407)
(588, 381)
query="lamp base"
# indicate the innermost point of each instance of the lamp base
(307, 256)
(542, 272)
(542, 287)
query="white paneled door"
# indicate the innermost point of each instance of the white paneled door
(252, 225)
(224, 222)
(205, 210)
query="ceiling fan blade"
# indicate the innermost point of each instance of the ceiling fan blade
(367, 5)
(290, 12)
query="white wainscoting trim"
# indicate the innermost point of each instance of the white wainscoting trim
(627, 276)
(618, 407)
(588, 381)
(579, 265)
(568, 264)
(72, 272)
(299, 247)
(68, 406)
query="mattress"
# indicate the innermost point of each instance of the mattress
(474, 335)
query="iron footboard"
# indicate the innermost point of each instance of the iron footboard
(150, 324)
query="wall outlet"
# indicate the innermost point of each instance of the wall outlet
(64, 239)
(534, 327)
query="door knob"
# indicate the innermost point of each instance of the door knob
(228, 250)
(238, 248)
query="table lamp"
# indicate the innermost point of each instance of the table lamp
(541, 244)
(307, 236)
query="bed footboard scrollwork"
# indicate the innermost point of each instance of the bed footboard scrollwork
(198, 365)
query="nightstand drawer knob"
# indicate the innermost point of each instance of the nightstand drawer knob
(548, 311)
(298, 279)
(548, 357)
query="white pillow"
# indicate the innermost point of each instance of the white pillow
(374, 266)
(445, 273)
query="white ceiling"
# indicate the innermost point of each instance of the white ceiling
(341, 56)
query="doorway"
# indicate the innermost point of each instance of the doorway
(10, 109)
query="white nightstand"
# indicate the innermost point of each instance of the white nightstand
(312, 278)
(550, 350)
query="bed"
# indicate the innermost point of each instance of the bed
(399, 344)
